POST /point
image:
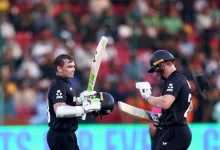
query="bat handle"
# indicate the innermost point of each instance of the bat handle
(83, 117)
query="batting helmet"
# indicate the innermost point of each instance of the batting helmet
(158, 57)
(107, 103)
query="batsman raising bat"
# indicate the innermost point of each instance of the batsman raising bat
(64, 107)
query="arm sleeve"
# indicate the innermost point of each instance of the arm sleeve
(69, 111)
(58, 94)
(173, 87)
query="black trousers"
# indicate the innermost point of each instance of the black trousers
(62, 140)
(175, 138)
(155, 139)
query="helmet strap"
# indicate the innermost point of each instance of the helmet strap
(157, 76)
(160, 68)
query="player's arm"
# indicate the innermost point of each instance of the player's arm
(164, 101)
(64, 111)
(58, 96)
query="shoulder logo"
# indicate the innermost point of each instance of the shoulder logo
(71, 89)
(170, 87)
(59, 94)
(164, 143)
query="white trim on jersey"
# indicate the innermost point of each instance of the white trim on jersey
(48, 112)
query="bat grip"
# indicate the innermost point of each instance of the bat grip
(89, 89)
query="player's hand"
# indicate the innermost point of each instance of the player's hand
(158, 125)
(85, 95)
(145, 89)
(91, 105)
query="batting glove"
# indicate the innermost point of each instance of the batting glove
(158, 125)
(85, 95)
(92, 105)
(145, 89)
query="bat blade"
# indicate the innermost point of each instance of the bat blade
(96, 63)
(138, 112)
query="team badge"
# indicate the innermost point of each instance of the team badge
(59, 94)
(170, 87)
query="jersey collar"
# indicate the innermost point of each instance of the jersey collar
(173, 73)
(62, 78)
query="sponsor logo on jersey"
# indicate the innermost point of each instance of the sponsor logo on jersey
(164, 143)
(59, 94)
(170, 87)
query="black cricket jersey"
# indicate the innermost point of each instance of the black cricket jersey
(177, 86)
(60, 90)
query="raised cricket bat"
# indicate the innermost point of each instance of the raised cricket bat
(138, 112)
(96, 64)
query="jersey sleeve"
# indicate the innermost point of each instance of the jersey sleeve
(58, 94)
(173, 87)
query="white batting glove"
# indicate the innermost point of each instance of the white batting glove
(145, 89)
(92, 105)
(85, 95)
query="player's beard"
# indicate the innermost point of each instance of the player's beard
(158, 77)
(162, 77)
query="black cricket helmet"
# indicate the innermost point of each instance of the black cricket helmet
(157, 58)
(107, 104)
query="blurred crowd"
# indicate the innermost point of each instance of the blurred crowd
(34, 32)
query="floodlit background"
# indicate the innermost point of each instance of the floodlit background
(34, 32)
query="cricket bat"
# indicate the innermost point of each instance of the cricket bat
(138, 112)
(96, 64)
